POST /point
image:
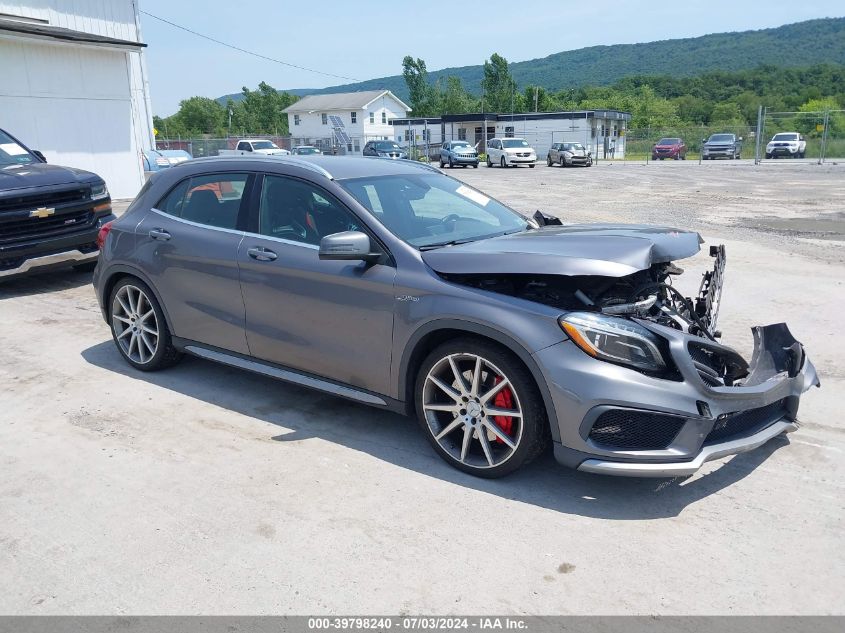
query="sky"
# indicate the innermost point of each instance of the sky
(366, 39)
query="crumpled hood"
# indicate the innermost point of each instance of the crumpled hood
(41, 175)
(579, 249)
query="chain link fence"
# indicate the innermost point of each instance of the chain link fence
(821, 135)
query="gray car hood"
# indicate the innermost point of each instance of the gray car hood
(580, 249)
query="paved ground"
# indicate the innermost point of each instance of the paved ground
(206, 490)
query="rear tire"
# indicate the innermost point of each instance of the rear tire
(470, 438)
(532, 165)
(562, 161)
(548, 161)
(138, 326)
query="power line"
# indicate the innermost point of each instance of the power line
(243, 50)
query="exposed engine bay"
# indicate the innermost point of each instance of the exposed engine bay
(646, 294)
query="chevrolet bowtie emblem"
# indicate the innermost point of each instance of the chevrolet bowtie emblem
(41, 212)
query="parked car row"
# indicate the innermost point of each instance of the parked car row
(156, 159)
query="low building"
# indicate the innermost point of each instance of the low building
(74, 85)
(601, 131)
(344, 121)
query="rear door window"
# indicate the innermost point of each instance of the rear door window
(212, 199)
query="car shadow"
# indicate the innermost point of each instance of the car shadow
(396, 439)
(41, 283)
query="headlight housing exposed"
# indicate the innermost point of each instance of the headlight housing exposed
(615, 340)
(98, 192)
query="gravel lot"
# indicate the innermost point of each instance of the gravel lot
(206, 490)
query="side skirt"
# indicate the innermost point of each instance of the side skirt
(288, 375)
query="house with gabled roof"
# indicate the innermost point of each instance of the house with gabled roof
(344, 121)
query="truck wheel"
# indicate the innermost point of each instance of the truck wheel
(480, 408)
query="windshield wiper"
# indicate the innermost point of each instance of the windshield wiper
(428, 247)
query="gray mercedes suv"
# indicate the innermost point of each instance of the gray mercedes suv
(392, 284)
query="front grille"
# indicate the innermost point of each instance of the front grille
(635, 430)
(21, 229)
(747, 422)
(49, 199)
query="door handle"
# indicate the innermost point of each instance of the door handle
(262, 254)
(160, 234)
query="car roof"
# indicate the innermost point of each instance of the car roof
(335, 167)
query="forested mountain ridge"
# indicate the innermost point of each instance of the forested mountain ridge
(789, 46)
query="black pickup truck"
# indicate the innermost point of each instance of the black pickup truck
(49, 215)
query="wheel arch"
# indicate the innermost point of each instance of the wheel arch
(434, 333)
(120, 271)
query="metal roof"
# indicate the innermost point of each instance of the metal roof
(340, 101)
(47, 32)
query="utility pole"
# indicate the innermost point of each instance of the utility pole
(536, 93)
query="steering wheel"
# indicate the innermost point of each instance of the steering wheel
(452, 217)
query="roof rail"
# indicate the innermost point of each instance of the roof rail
(304, 163)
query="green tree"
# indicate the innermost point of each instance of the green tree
(499, 86)
(199, 115)
(261, 111)
(425, 98)
(455, 98)
(727, 113)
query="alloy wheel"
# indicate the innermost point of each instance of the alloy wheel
(135, 324)
(472, 410)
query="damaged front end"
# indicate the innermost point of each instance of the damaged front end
(667, 396)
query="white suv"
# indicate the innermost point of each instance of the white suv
(506, 152)
(787, 144)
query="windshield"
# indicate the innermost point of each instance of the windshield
(515, 142)
(460, 144)
(12, 153)
(264, 145)
(785, 137)
(669, 141)
(573, 146)
(387, 145)
(722, 138)
(307, 150)
(430, 210)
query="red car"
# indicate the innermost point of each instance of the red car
(669, 148)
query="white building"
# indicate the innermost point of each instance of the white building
(74, 85)
(345, 120)
(601, 131)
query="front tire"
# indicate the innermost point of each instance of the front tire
(502, 163)
(480, 408)
(489, 162)
(138, 326)
(451, 163)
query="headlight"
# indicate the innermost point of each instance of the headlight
(98, 192)
(615, 340)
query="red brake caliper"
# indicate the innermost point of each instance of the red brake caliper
(503, 400)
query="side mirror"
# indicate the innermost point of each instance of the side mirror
(39, 155)
(740, 138)
(704, 140)
(348, 246)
